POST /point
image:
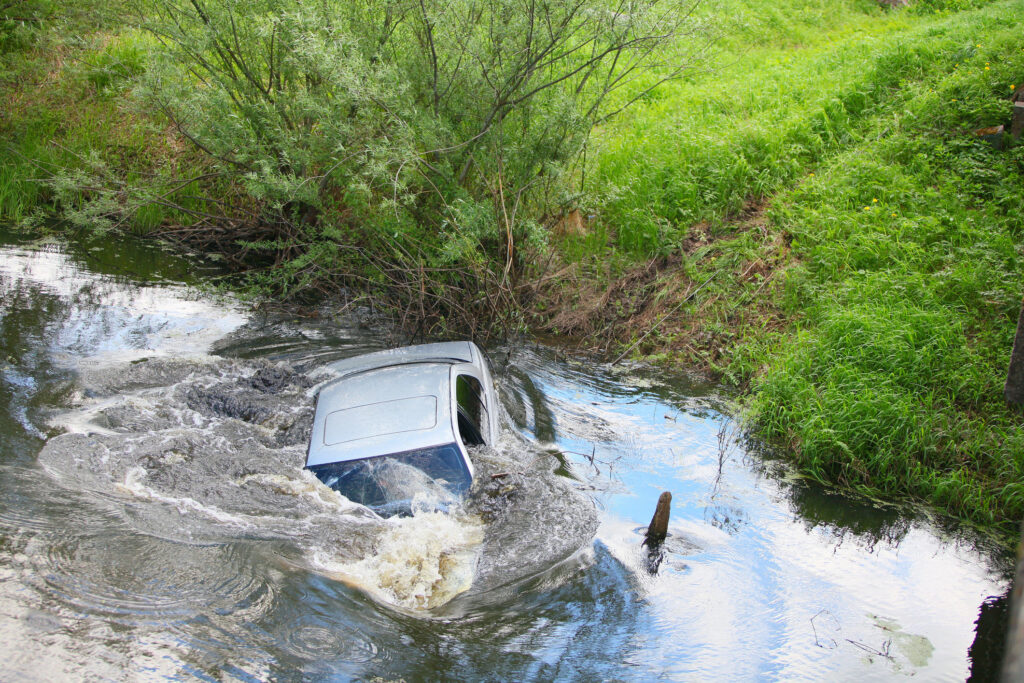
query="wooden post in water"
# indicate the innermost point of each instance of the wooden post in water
(1014, 389)
(658, 528)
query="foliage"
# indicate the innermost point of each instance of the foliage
(449, 125)
(19, 20)
(711, 144)
(908, 290)
(119, 62)
(944, 6)
(54, 115)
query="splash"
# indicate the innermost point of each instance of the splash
(419, 562)
(304, 485)
(210, 450)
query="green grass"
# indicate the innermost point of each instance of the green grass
(907, 289)
(65, 83)
(892, 236)
(772, 111)
(887, 371)
(35, 37)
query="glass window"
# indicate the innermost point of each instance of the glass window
(389, 483)
(472, 410)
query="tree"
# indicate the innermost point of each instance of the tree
(1014, 389)
(417, 137)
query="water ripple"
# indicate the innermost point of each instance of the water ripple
(138, 579)
(313, 641)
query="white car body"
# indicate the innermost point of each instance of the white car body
(423, 406)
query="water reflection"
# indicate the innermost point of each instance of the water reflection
(60, 313)
(761, 556)
(107, 571)
(986, 651)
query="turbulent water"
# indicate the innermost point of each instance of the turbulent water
(155, 519)
(207, 450)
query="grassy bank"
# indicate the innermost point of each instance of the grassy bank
(66, 74)
(806, 214)
(788, 86)
(862, 245)
(906, 284)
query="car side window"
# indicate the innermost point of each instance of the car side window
(472, 409)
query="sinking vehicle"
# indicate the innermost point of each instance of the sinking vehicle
(397, 425)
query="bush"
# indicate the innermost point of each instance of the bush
(451, 123)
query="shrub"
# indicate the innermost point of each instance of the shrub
(449, 124)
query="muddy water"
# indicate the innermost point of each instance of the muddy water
(155, 521)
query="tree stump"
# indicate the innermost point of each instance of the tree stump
(1014, 389)
(658, 528)
(1017, 122)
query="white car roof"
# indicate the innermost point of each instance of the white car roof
(380, 411)
(389, 402)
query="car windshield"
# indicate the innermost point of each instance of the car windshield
(390, 483)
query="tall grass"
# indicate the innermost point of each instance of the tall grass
(890, 238)
(907, 287)
(65, 79)
(806, 88)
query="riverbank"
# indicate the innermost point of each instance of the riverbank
(813, 220)
(867, 296)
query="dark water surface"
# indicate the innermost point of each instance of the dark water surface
(155, 521)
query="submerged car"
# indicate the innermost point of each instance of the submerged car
(397, 425)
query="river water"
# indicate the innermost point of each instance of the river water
(155, 521)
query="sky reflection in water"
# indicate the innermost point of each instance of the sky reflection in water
(764, 576)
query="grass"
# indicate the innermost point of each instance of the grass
(907, 288)
(706, 146)
(875, 331)
(65, 85)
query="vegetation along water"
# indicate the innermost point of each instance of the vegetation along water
(790, 196)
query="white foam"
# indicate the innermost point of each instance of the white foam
(306, 485)
(419, 562)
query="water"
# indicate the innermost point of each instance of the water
(155, 521)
